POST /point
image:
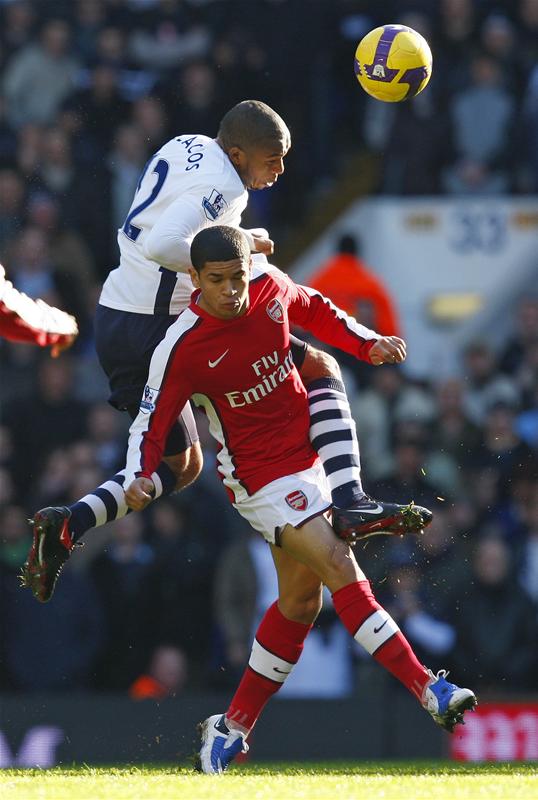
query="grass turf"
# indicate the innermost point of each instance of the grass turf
(364, 780)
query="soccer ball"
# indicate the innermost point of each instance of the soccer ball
(393, 63)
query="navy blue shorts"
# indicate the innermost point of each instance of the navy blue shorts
(125, 342)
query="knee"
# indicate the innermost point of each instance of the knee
(304, 609)
(341, 567)
(318, 364)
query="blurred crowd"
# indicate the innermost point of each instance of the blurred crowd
(168, 599)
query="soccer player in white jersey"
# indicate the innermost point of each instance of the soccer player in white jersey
(191, 183)
(235, 337)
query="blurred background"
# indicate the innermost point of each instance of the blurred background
(420, 219)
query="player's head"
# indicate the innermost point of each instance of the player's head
(220, 256)
(256, 140)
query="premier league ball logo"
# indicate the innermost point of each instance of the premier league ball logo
(147, 406)
(213, 205)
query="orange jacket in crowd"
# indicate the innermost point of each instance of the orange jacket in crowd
(346, 281)
(145, 686)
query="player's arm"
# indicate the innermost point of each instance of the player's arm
(169, 241)
(317, 314)
(25, 320)
(165, 394)
(259, 241)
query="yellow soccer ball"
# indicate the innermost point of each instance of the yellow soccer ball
(393, 63)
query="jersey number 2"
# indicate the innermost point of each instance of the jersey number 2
(161, 170)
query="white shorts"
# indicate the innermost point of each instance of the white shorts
(291, 500)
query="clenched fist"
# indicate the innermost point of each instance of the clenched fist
(388, 350)
(139, 494)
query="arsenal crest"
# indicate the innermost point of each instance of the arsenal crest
(297, 500)
(275, 310)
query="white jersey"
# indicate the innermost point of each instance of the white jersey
(189, 184)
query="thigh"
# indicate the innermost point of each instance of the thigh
(316, 545)
(291, 500)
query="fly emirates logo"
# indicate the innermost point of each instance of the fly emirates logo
(270, 373)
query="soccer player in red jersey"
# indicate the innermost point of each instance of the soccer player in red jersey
(229, 351)
(34, 321)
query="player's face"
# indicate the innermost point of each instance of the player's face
(259, 167)
(224, 287)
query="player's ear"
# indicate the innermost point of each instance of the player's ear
(195, 278)
(236, 156)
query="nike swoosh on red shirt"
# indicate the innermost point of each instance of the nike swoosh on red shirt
(212, 364)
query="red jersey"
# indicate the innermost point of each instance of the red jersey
(241, 373)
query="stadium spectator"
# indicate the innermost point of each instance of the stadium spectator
(12, 196)
(453, 432)
(98, 110)
(167, 675)
(49, 418)
(40, 76)
(484, 384)
(376, 408)
(185, 558)
(482, 117)
(495, 623)
(88, 19)
(527, 552)
(523, 337)
(351, 285)
(120, 577)
(164, 37)
(71, 626)
(67, 249)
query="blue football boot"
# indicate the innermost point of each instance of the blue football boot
(220, 745)
(446, 702)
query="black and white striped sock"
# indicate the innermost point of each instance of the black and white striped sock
(107, 502)
(333, 436)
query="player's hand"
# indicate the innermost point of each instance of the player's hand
(263, 245)
(58, 348)
(139, 494)
(388, 350)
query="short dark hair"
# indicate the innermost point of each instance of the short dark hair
(252, 123)
(218, 243)
(348, 244)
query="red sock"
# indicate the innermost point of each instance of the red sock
(276, 649)
(373, 628)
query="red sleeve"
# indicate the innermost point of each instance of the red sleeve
(166, 392)
(317, 314)
(25, 320)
